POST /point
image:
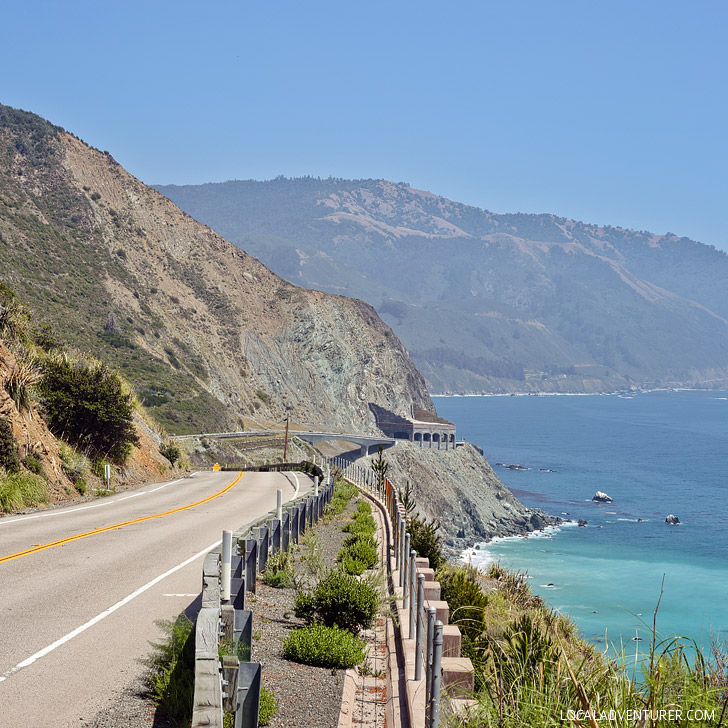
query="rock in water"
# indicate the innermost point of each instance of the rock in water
(672, 520)
(582, 523)
(600, 497)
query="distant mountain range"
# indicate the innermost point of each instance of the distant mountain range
(488, 302)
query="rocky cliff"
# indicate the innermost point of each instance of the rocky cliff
(206, 333)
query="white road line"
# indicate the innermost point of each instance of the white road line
(66, 638)
(298, 486)
(180, 595)
(4, 521)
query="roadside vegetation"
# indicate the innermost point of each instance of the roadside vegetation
(337, 603)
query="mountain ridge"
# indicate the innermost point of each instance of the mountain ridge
(627, 308)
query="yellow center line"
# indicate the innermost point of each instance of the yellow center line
(62, 541)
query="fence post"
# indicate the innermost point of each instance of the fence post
(419, 618)
(436, 676)
(262, 548)
(227, 553)
(279, 505)
(275, 528)
(405, 572)
(413, 593)
(286, 531)
(431, 618)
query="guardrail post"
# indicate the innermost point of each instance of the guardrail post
(413, 593)
(286, 531)
(279, 505)
(262, 548)
(316, 485)
(309, 510)
(436, 676)
(419, 617)
(275, 530)
(251, 564)
(402, 564)
(294, 524)
(431, 619)
(225, 574)
(248, 699)
(302, 517)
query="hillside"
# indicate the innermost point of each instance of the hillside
(210, 338)
(484, 301)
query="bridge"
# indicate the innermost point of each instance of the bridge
(365, 442)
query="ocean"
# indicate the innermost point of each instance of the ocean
(654, 453)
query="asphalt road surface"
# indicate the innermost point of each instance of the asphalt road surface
(81, 587)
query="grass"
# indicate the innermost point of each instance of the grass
(268, 706)
(21, 490)
(171, 680)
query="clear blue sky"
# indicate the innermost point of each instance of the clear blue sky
(608, 112)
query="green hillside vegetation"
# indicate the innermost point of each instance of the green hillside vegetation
(485, 301)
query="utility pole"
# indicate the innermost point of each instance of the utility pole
(285, 446)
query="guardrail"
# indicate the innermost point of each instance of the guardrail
(432, 645)
(232, 683)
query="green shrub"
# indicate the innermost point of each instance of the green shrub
(460, 588)
(279, 571)
(98, 467)
(18, 384)
(171, 679)
(364, 507)
(171, 451)
(19, 490)
(360, 548)
(304, 606)
(33, 464)
(9, 459)
(80, 485)
(341, 600)
(351, 565)
(361, 524)
(75, 466)
(87, 404)
(268, 706)
(324, 647)
(425, 541)
(343, 493)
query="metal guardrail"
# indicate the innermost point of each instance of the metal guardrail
(233, 683)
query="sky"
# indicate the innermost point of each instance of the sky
(610, 113)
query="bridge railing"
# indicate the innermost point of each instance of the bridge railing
(232, 684)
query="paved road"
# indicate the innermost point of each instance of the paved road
(76, 617)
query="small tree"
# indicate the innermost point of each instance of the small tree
(85, 403)
(380, 467)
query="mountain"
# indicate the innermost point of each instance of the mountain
(209, 337)
(484, 301)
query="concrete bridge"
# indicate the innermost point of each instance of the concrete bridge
(365, 442)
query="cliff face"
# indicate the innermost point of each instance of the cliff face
(459, 489)
(206, 333)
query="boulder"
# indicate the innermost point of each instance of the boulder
(537, 521)
(672, 520)
(600, 497)
(582, 523)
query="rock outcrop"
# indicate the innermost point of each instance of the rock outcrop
(672, 519)
(460, 490)
(600, 497)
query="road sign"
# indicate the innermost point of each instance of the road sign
(216, 467)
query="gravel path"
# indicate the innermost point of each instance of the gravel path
(308, 697)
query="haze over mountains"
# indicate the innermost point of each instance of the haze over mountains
(484, 301)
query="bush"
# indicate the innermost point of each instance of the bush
(425, 541)
(86, 404)
(268, 706)
(19, 490)
(170, 451)
(343, 493)
(324, 647)
(172, 677)
(304, 606)
(33, 464)
(18, 384)
(460, 588)
(351, 565)
(363, 521)
(360, 548)
(9, 459)
(279, 571)
(341, 600)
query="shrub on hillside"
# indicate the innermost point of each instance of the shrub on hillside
(170, 451)
(361, 548)
(460, 588)
(425, 541)
(340, 600)
(87, 405)
(324, 647)
(19, 490)
(33, 464)
(9, 459)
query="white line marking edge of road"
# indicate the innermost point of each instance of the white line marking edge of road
(66, 638)
(63, 511)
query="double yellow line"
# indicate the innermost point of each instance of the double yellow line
(62, 541)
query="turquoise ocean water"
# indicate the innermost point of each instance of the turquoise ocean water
(654, 453)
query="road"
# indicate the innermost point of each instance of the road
(81, 587)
